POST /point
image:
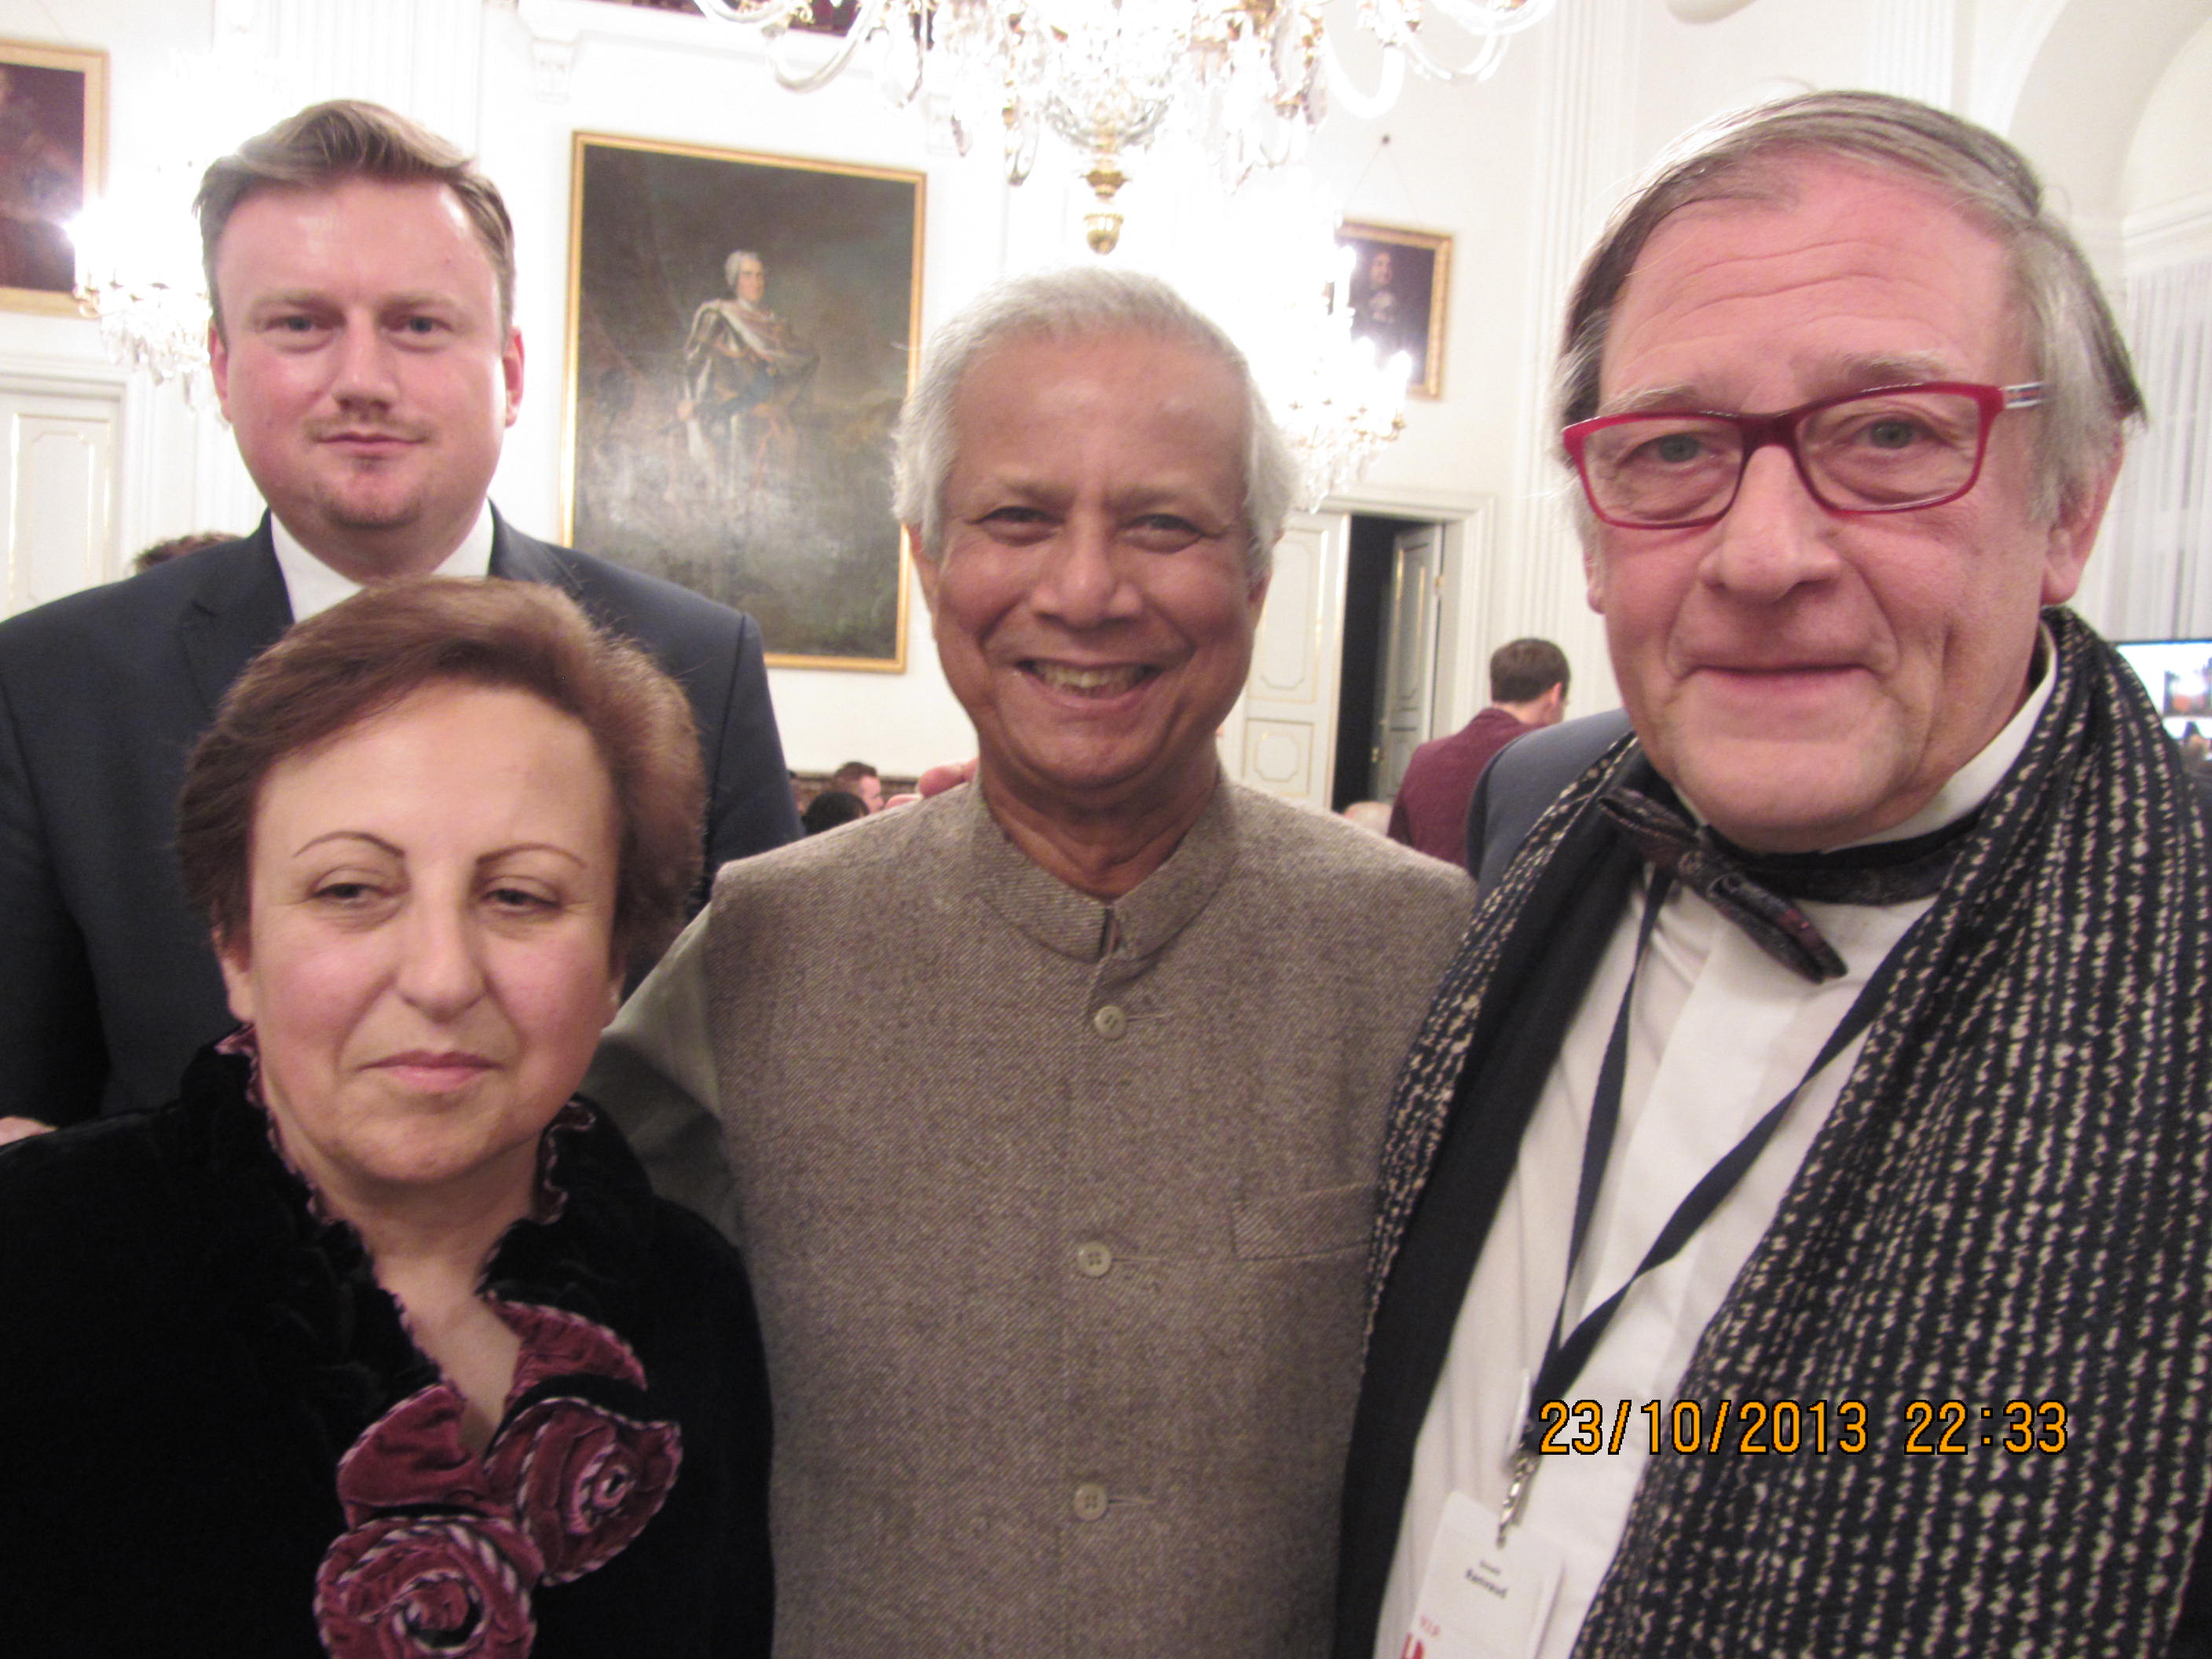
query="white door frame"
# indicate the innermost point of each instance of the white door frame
(1467, 521)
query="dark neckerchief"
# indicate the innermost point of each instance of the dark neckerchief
(1754, 891)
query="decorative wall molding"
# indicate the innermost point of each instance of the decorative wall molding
(2169, 234)
(1913, 50)
(61, 426)
(1993, 96)
(30, 371)
(1281, 736)
(1470, 555)
(561, 31)
(2158, 584)
(1585, 159)
(1392, 501)
(423, 58)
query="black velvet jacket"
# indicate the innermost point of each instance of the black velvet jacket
(186, 1351)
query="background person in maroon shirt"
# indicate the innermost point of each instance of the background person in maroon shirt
(1527, 689)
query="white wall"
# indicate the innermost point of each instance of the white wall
(1520, 171)
(2166, 178)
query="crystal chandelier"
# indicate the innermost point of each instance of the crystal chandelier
(146, 290)
(138, 247)
(1246, 79)
(1338, 399)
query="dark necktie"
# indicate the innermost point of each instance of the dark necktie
(1754, 890)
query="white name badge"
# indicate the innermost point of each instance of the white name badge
(1478, 1601)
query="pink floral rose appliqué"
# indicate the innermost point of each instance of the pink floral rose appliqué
(583, 1480)
(405, 1586)
(443, 1549)
(581, 1477)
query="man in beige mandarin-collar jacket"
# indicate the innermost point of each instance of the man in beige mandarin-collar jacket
(1051, 1106)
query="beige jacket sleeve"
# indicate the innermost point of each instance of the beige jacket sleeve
(656, 1076)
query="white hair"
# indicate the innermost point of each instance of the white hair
(2090, 389)
(1080, 303)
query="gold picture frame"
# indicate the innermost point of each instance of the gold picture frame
(1399, 302)
(53, 160)
(742, 331)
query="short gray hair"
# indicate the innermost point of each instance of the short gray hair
(2080, 356)
(1079, 303)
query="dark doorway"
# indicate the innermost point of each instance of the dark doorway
(1366, 597)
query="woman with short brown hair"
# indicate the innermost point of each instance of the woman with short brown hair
(376, 1342)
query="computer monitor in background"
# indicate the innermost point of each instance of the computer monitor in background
(2178, 674)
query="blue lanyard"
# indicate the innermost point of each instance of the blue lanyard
(1564, 1360)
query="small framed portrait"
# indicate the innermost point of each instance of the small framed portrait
(53, 130)
(1400, 281)
(741, 333)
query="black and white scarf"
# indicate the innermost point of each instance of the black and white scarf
(2011, 1200)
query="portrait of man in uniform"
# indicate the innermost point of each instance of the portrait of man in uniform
(742, 335)
(742, 370)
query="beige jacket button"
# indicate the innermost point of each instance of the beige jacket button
(1110, 1021)
(1090, 1502)
(1094, 1260)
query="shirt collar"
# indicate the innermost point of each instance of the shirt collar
(313, 587)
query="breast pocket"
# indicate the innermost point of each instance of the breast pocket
(1318, 1222)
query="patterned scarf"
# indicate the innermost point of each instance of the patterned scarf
(2011, 1200)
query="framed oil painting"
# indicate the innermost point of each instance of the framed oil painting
(741, 333)
(1400, 281)
(53, 126)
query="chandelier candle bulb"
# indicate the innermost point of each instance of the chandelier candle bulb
(1244, 80)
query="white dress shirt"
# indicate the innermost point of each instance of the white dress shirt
(313, 585)
(1718, 1033)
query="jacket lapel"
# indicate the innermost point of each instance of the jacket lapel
(524, 559)
(1521, 1010)
(240, 608)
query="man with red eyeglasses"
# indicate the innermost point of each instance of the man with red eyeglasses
(1798, 1208)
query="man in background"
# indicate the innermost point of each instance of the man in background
(1528, 691)
(362, 273)
(859, 778)
(1051, 1103)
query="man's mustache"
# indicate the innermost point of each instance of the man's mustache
(404, 432)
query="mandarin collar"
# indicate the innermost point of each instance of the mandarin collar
(1071, 924)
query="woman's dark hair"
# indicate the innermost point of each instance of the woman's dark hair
(831, 808)
(360, 658)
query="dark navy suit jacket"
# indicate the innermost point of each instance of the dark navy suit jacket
(1525, 777)
(108, 984)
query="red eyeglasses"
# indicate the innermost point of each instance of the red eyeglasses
(1889, 450)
